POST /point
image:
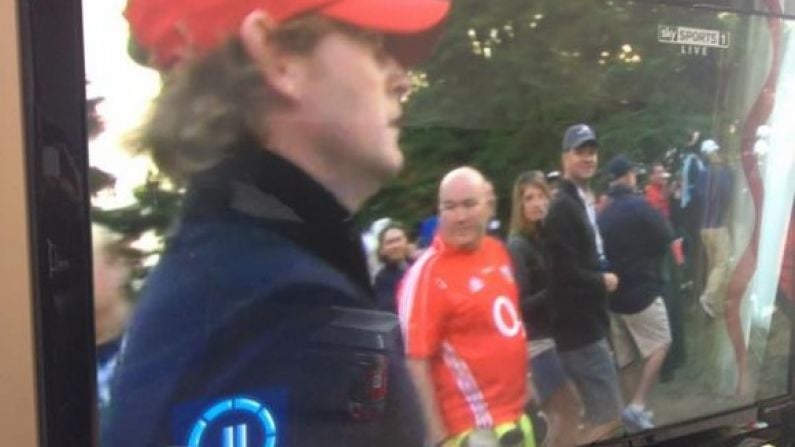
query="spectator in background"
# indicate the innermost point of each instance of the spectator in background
(719, 184)
(637, 238)
(660, 195)
(464, 338)
(692, 169)
(393, 252)
(370, 245)
(579, 284)
(111, 260)
(718, 181)
(691, 210)
(494, 226)
(551, 387)
(553, 180)
(427, 231)
(657, 193)
(673, 271)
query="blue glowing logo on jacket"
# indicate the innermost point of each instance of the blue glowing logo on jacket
(235, 422)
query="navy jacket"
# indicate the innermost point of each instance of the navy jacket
(577, 293)
(261, 294)
(636, 238)
(719, 180)
(385, 283)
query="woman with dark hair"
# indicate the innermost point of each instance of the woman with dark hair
(393, 252)
(552, 389)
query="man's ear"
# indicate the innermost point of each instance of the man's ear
(281, 71)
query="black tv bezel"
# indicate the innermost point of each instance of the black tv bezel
(54, 105)
(56, 159)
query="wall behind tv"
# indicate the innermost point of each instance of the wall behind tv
(17, 380)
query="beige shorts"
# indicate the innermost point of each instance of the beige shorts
(642, 333)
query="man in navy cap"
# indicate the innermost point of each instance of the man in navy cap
(258, 326)
(636, 239)
(579, 284)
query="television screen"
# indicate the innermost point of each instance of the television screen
(432, 223)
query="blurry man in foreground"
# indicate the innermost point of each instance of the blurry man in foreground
(281, 117)
(464, 335)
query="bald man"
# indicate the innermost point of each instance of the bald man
(465, 342)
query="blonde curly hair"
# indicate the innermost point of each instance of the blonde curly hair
(210, 104)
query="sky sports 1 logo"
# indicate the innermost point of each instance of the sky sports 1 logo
(683, 35)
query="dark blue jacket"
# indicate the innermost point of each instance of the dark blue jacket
(636, 238)
(262, 294)
(719, 181)
(385, 283)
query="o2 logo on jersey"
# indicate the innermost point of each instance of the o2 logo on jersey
(505, 317)
(236, 422)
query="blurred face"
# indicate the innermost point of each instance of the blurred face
(632, 179)
(534, 204)
(109, 304)
(394, 246)
(109, 277)
(463, 212)
(579, 164)
(657, 176)
(350, 99)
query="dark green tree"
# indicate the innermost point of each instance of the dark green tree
(508, 77)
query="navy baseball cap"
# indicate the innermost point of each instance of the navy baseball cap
(619, 166)
(577, 135)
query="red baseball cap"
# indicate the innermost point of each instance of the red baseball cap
(169, 29)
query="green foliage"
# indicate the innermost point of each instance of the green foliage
(509, 76)
(154, 209)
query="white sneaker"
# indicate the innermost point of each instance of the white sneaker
(707, 306)
(635, 419)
